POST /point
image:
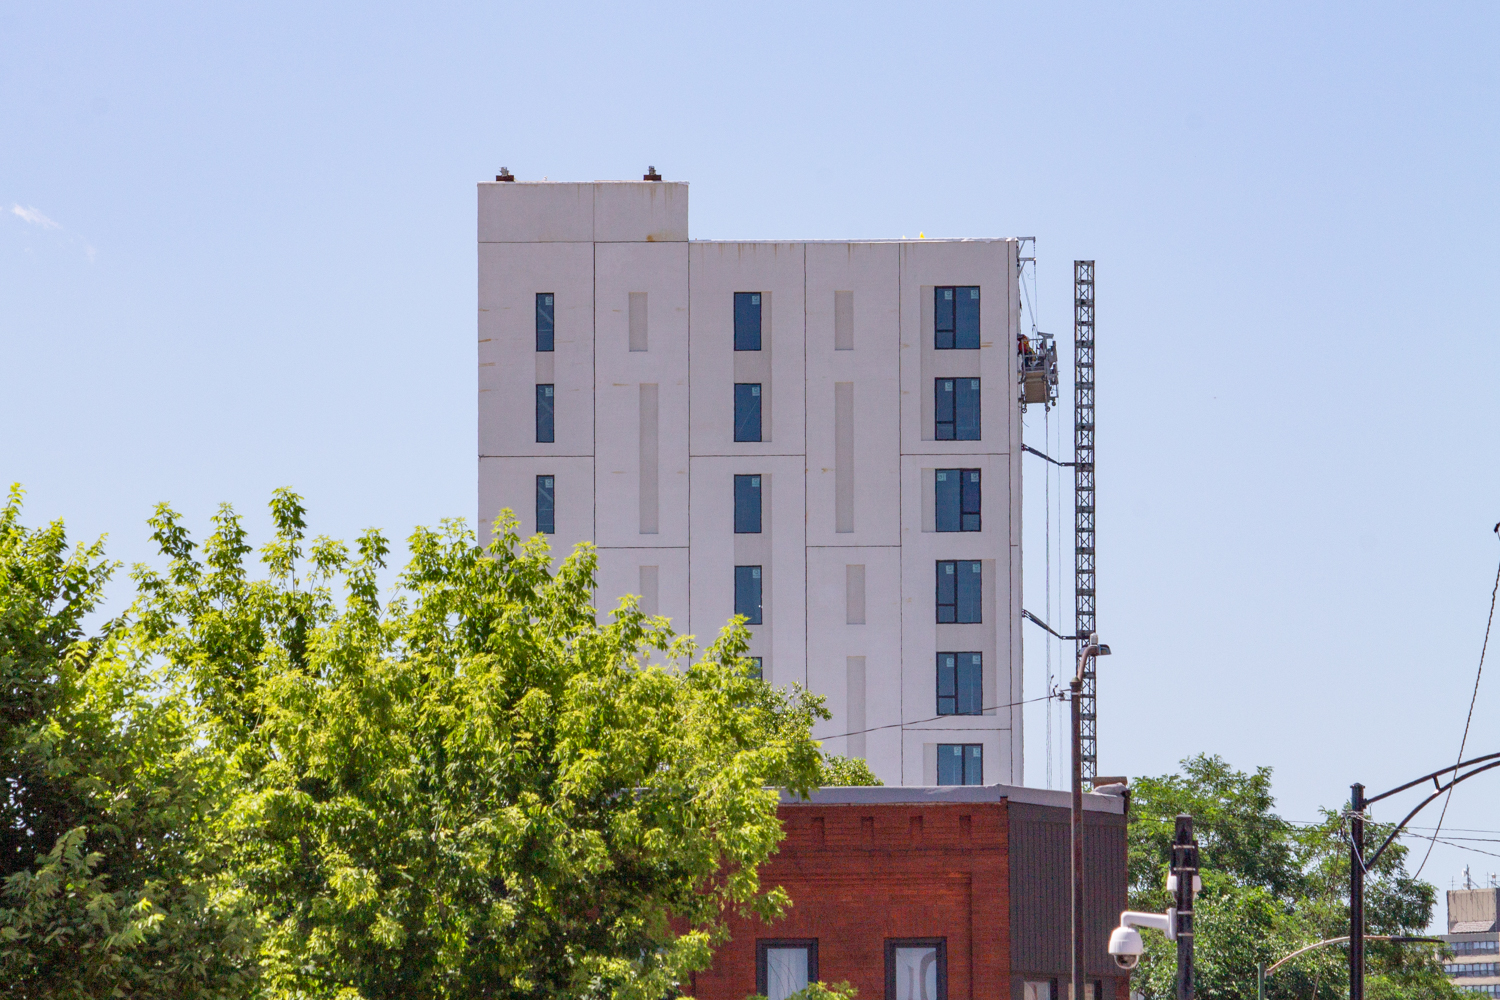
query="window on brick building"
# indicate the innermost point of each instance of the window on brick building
(916, 969)
(785, 965)
(960, 764)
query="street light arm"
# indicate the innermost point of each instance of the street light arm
(1430, 777)
(1398, 938)
(1370, 863)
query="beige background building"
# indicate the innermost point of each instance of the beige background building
(643, 370)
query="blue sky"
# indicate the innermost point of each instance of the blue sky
(237, 252)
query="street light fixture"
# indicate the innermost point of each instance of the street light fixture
(1094, 649)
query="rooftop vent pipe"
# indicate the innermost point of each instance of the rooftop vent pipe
(651, 175)
(504, 175)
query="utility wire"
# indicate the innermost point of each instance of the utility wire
(935, 718)
(1449, 843)
(1472, 699)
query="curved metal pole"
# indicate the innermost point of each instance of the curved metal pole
(1429, 777)
(1370, 862)
(1403, 938)
(1359, 864)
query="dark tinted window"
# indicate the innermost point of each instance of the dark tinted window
(960, 591)
(747, 505)
(544, 428)
(956, 409)
(544, 324)
(747, 411)
(956, 499)
(747, 593)
(747, 321)
(755, 666)
(960, 764)
(546, 505)
(960, 687)
(956, 318)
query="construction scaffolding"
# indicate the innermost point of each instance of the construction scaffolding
(1083, 506)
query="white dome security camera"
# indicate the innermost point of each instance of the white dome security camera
(1125, 947)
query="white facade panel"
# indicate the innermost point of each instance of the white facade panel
(640, 213)
(832, 638)
(644, 368)
(870, 275)
(510, 366)
(657, 271)
(776, 271)
(510, 484)
(779, 549)
(620, 573)
(517, 212)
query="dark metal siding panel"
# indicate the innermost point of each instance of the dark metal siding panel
(1039, 899)
(1104, 889)
(1041, 889)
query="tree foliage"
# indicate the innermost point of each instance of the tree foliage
(476, 788)
(1269, 888)
(111, 871)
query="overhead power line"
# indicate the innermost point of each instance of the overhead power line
(1470, 719)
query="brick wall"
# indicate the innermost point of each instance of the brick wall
(859, 875)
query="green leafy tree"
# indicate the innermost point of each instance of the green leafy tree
(837, 770)
(111, 875)
(475, 788)
(1269, 888)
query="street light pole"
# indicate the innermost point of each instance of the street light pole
(1075, 688)
(1357, 891)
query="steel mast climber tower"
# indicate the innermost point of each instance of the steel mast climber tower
(1083, 507)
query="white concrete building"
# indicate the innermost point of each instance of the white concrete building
(825, 433)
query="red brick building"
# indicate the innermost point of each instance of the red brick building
(944, 893)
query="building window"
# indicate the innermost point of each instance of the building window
(957, 499)
(747, 321)
(784, 966)
(1472, 969)
(747, 505)
(956, 405)
(544, 321)
(960, 764)
(916, 969)
(1470, 947)
(960, 587)
(756, 664)
(1037, 990)
(960, 684)
(747, 411)
(747, 593)
(546, 506)
(545, 432)
(956, 318)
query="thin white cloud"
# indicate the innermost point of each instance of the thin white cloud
(34, 217)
